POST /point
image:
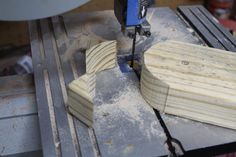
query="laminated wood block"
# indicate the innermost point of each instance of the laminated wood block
(191, 81)
(82, 90)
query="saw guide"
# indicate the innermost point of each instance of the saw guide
(191, 81)
(82, 90)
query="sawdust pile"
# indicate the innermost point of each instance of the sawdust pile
(128, 105)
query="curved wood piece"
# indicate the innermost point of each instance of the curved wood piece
(101, 57)
(191, 81)
(82, 90)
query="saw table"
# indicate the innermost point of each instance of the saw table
(132, 129)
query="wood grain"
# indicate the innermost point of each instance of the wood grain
(191, 81)
(82, 90)
(80, 98)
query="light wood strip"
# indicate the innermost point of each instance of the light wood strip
(82, 100)
(83, 119)
(81, 109)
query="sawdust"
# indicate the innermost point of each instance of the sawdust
(84, 42)
(123, 43)
(175, 120)
(128, 150)
(123, 105)
(118, 74)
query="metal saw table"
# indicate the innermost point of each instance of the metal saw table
(133, 131)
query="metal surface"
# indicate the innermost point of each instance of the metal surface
(15, 10)
(88, 138)
(131, 12)
(76, 26)
(131, 15)
(165, 25)
(195, 135)
(15, 85)
(169, 141)
(115, 136)
(16, 132)
(83, 137)
(17, 105)
(47, 138)
(18, 117)
(208, 28)
(54, 128)
(133, 131)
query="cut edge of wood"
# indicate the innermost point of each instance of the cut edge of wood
(81, 91)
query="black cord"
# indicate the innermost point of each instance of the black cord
(168, 136)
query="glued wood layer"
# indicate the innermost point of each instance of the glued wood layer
(82, 90)
(191, 81)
